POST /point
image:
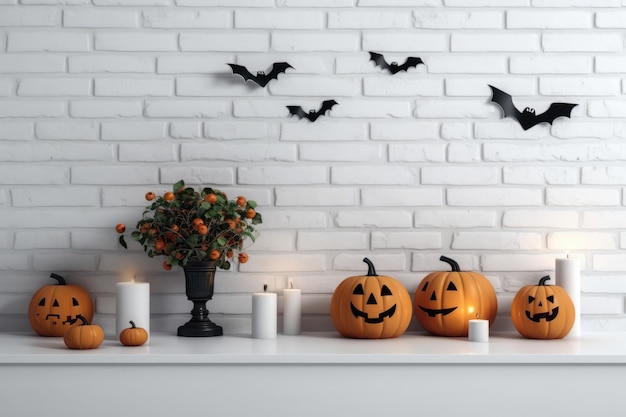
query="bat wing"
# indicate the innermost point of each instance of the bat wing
(297, 111)
(326, 106)
(243, 71)
(277, 68)
(555, 110)
(379, 60)
(410, 62)
(505, 101)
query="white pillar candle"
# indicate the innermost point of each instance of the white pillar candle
(478, 330)
(264, 315)
(567, 275)
(132, 303)
(292, 311)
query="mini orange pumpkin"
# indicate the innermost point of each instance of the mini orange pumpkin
(445, 301)
(543, 311)
(84, 336)
(371, 306)
(54, 308)
(133, 336)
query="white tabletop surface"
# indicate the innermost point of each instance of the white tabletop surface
(320, 348)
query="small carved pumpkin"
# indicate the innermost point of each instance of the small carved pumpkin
(133, 336)
(543, 311)
(371, 306)
(445, 301)
(84, 335)
(54, 308)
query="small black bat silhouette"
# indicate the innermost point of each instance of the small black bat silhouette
(312, 115)
(260, 78)
(528, 118)
(394, 67)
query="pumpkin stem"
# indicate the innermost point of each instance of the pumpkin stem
(84, 320)
(371, 271)
(455, 266)
(58, 278)
(132, 324)
(543, 280)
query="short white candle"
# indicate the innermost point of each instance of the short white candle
(567, 275)
(264, 315)
(132, 303)
(478, 330)
(292, 311)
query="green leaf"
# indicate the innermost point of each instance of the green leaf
(122, 242)
(257, 219)
(177, 186)
(221, 241)
(251, 203)
(135, 235)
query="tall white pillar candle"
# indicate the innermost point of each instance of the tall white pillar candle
(132, 303)
(264, 315)
(292, 311)
(567, 275)
(478, 330)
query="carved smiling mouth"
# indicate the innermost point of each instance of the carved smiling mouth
(387, 313)
(547, 315)
(432, 312)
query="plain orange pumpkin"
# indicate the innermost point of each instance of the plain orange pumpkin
(133, 336)
(84, 335)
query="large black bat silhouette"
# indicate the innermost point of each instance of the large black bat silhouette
(394, 67)
(527, 118)
(260, 78)
(312, 115)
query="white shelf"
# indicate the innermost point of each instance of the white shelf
(320, 348)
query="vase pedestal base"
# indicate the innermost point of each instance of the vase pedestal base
(200, 329)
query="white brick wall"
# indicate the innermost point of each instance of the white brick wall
(103, 100)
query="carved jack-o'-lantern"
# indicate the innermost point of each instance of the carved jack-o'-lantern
(371, 306)
(55, 308)
(445, 301)
(543, 311)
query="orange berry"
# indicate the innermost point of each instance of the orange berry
(197, 222)
(243, 257)
(231, 223)
(150, 196)
(169, 196)
(229, 253)
(204, 247)
(175, 228)
(180, 255)
(214, 255)
(166, 265)
(250, 213)
(210, 198)
(241, 201)
(120, 228)
(203, 229)
(159, 244)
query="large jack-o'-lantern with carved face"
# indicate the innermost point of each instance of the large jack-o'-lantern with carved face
(371, 306)
(543, 311)
(55, 308)
(445, 301)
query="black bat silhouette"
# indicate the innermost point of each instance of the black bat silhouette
(528, 118)
(312, 115)
(260, 78)
(394, 67)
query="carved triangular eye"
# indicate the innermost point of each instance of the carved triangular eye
(55, 304)
(425, 286)
(451, 287)
(385, 290)
(530, 299)
(550, 298)
(74, 302)
(42, 302)
(358, 290)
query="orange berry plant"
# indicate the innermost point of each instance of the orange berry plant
(189, 225)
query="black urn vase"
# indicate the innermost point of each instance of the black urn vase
(199, 281)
